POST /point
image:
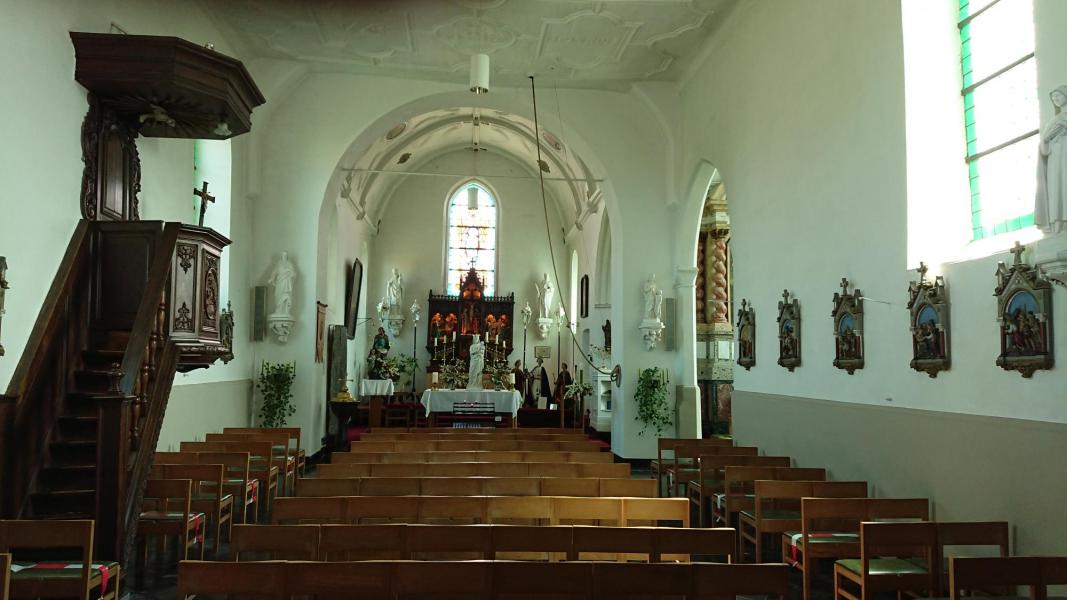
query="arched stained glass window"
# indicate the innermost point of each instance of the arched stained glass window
(471, 237)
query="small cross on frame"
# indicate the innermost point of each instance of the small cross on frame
(844, 286)
(922, 272)
(785, 296)
(204, 199)
(1017, 250)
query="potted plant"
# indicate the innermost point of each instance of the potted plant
(276, 385)
(499, 373)
(455, 374)
(653, 409)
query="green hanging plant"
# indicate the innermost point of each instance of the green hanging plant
(276, 386)
(653, 409)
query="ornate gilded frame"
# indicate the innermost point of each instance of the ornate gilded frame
(928, 306)
(1024, 312)
(848, 328)
(746, 335)
(788, 331)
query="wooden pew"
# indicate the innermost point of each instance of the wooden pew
(208, 495)
(474, 456)
(739, 488)
(894, 557)
(49, 578)
(730, 581)
(650, 544)
(262, 463)
(363, 542)
(519, 469)
(829, 528)
(776, 507)
(244, 488)
(261, 580)
(283, 454)
(274, 542)
(473, 445)
(475, 486)
(480, 509)
(711, 473)
(5, 575)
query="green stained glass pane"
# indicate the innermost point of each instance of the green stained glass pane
(1026, 220)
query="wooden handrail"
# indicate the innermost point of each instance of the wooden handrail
(144, 322)
(71, 268)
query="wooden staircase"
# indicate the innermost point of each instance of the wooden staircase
(81, 417)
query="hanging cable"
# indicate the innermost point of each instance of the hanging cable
(616, 373)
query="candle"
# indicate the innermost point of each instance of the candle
(453, 337)
(434, 377)
(511, 378)
(496, 339)
(435, 342)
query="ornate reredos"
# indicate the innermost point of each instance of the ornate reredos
(788, 331)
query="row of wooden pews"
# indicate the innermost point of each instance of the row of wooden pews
(876, 544)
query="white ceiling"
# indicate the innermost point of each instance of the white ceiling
(604, 44)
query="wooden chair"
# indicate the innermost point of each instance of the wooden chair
(776, 508)
(263, 465)
(730, 581)
(294, 437)
(208, 497)
(239, 481)
(951, 535)
(685, 467)
(260, 580)
(419, 580)
(84, 579)
(971, 574)
(829, 528)
(363, 542)
(709, 482)
(274, 542)
(894, 557)
(371, 580)
(171, 515)
(282, 454)
(738, 492)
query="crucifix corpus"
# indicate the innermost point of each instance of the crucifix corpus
(204, 199)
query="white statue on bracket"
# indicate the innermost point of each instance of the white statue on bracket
(652, 322)
(395, 291)
(391, 312)
(477, 364)
(1050, 210)
(282, 277)
(545, 292)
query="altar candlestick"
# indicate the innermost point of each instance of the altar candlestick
(434, 377)
(496, 339)
(435, 342)
(453, 337)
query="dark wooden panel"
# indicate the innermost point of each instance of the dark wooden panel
(124, 253)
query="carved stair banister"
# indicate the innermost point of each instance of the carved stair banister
(134, 412)
(40, 381)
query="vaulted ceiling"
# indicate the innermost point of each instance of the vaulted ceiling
(604, 44)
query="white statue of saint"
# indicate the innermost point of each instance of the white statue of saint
(544, 297)
(394, 293)
(653, 299)
(383, 310)
(474, 375)
(1050, 210)
(282, 278)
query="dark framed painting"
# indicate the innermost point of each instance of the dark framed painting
(789, 331)
(1024, 312)
(320, 331)
(353, 289)
(848, 328)
(928, 307)
(746, 335)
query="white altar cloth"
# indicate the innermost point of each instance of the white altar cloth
(376, 387)
(504, 401)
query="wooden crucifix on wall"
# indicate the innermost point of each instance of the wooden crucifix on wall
(204, 199)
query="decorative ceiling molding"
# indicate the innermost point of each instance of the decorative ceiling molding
(581, 43)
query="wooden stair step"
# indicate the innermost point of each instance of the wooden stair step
(66, 454)
(78, 427)
(63, 502)
(67, 478)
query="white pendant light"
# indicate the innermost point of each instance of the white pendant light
(480, 73)
(472, 198)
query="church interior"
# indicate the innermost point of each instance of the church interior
(532, 298)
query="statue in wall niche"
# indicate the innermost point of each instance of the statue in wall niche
(282, 278)
(394, 294)
(1050, 210)
(544, 297)
(653, 299)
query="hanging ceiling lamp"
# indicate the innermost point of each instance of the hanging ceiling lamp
(480, 73)
(472, 198)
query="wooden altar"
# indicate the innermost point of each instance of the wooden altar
(454, 320)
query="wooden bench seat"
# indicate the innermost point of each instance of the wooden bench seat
(493, 445)
(480, 579)
(515, 469)
(81, 577)
(473, 456)
(475, 486)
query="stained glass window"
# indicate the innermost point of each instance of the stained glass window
(1000, 112)
(471, 238)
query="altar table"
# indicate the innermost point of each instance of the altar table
(376, 387)
(504, 401)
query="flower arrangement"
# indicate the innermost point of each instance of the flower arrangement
(651, 396)
(454, 374)
(499, 373)
(577, 391)
(276, 385)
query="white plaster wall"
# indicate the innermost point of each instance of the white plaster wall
(412, 240)
(802, 109)
(42, 170)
